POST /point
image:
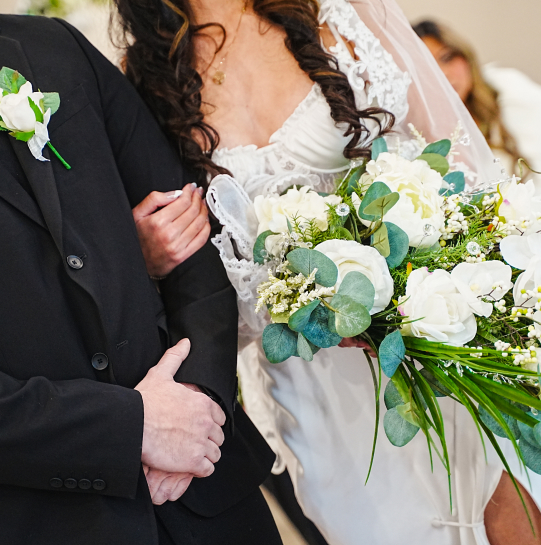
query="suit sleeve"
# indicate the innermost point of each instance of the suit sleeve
(200, 302)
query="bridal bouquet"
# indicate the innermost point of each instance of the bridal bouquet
(442, 282)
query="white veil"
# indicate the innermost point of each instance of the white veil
(435, 109)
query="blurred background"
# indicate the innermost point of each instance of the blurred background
(505, 37)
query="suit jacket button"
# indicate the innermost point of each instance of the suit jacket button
(85, 484)
(70, 483)
(75, 262)
(100, 361)
(98, 484)
(55, 482)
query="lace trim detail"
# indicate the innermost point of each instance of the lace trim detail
(388, 84)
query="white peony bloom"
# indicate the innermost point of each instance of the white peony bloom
(489, 280)
(419, 211)
(526, 291)
(349, 255)
(442, 313)
(15, 109)
(273, 211)
(521, 201)
(518, 251)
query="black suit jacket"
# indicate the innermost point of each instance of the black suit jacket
(70, 435)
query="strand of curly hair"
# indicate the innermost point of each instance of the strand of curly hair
(160, 59)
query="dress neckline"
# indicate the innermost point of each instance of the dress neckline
(278, 135)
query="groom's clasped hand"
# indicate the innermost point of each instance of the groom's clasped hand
(182, 429)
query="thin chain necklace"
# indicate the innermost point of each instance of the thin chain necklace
(219, 75)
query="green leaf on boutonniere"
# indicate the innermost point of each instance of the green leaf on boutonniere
(52, 101)
(10, 80)
(435, 162)
(442, 147)
(22, 136)
(36, 109)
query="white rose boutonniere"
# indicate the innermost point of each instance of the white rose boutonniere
(25, 113)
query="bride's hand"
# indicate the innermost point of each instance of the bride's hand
(171, 228)
(352, 342)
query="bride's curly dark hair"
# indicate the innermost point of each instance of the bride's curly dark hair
(158, 36)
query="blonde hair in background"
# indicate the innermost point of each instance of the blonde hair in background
(482, 102)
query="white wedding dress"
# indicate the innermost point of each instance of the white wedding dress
(319, 416)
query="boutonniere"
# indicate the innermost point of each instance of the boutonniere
(25, 114)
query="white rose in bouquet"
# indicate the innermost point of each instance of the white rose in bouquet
(441, 312)
(349, 255)
(15, 109)
(489, 280)
(419, 211)
(521, 201)
(273, 211)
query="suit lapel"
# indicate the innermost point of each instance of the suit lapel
(39, 174)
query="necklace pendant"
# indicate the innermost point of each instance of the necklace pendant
(219, 77)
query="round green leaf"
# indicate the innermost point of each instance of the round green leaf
(299, 319)
(537, 434)
(443, 147)
(437, 387)
(52, 101)
(305, 261)
(378, 146)
(381, 206)
(391, 353)
(374, 192)
(392, 397)
(435, 162)
(399, 431)
(457, 179)
(351, 317)
(357, 286)
(406, 412)
(317, 330)
(398, 245)
(279, 342)
(260, 253)
(531, 455)
(303, 348)
(527, 432)
(380, 241)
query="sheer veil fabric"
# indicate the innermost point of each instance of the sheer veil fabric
(319, 416)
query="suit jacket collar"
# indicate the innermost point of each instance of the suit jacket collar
(39, 174)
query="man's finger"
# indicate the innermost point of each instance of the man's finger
(182, 486)
(206, 469)
(173, 358)
(213, 453)
(217, 414)
(216, 435)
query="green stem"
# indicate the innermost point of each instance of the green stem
(68, 167)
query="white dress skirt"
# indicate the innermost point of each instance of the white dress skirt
(319, 416)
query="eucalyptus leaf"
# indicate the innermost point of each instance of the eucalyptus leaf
(357, 286)
(299, 319)
(381, 206)
(260, 253)
(52, 101)
(305, 261)
(531, 454)
(399, 431)
(375, 191)
(537, 434)
(303, 348)
(380, 241)
(458, 180)
(343, 233)
(317, 330)
(435, 162)
(527, 432)
(495, 428)
(398, 245)
(279, 342)
(392, 397)
(351, 317)
(391, 353)
(442, 147)
(378, 146)
(437, 387)
(407, 413)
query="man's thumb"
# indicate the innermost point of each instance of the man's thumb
(173, 358)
